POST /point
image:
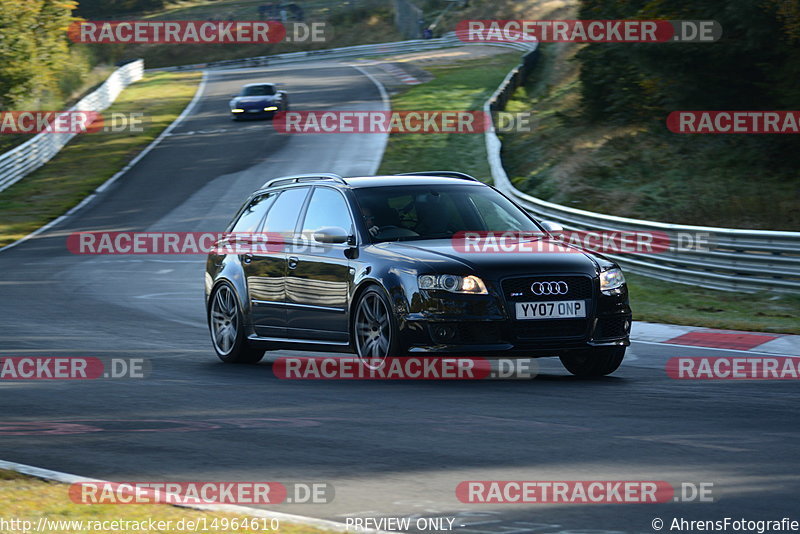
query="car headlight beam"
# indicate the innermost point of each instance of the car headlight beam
(611, 279)
(271, 108)
(453, 283)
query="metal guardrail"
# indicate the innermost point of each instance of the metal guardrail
(346, 52)
(35, 152)
(734, 260)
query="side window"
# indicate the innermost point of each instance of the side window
(327, 208)
(282, 218)
(252, 215)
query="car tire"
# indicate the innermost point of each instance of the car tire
(226, 325)
(593, 362)
(376, 335)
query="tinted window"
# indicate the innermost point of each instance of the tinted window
(250, 219)
(258, 90)
(283, 215)
(435, 212)
(327, 208)
(495, 213)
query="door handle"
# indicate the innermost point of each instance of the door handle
(293, 261)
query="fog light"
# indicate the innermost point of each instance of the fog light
(443, 333)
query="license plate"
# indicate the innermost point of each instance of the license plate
(559, 309)
(253, 110)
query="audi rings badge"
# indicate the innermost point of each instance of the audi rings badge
(549, 288)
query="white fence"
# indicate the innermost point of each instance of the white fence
(35, 152)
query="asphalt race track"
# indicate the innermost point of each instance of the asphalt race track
(389, 448)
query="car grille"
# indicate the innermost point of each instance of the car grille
(519, 289)
(611, 327)
(550, 329)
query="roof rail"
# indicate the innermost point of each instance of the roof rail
(447, 174)
(295, 178)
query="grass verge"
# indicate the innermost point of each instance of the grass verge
(90, 159)
(462, 85)
(664, 302)
(29, 499)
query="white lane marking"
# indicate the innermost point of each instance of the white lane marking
(67, 478)
(715, 348)
(200, 88)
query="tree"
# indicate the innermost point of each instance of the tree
(33, 49)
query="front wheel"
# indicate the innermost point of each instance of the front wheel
(594, 362)
(226, 323)
(375, 330)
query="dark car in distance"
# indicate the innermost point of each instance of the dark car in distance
(368, 265)
(258, 101)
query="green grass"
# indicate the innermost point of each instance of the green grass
(90, 159)
(463, 85)
(643, 171)
(663, 302)
(27, 498)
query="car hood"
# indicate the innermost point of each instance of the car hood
(440, 254)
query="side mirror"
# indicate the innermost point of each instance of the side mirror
(553, 228)
(331, 235)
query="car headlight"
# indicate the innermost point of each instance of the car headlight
(237, 110)
(453, 283)
(271, 108)
(611, 279)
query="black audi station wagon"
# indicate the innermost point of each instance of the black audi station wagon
(373, 265)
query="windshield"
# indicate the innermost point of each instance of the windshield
(258, 90)
(400, 213)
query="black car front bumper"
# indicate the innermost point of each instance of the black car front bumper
(449, 323)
